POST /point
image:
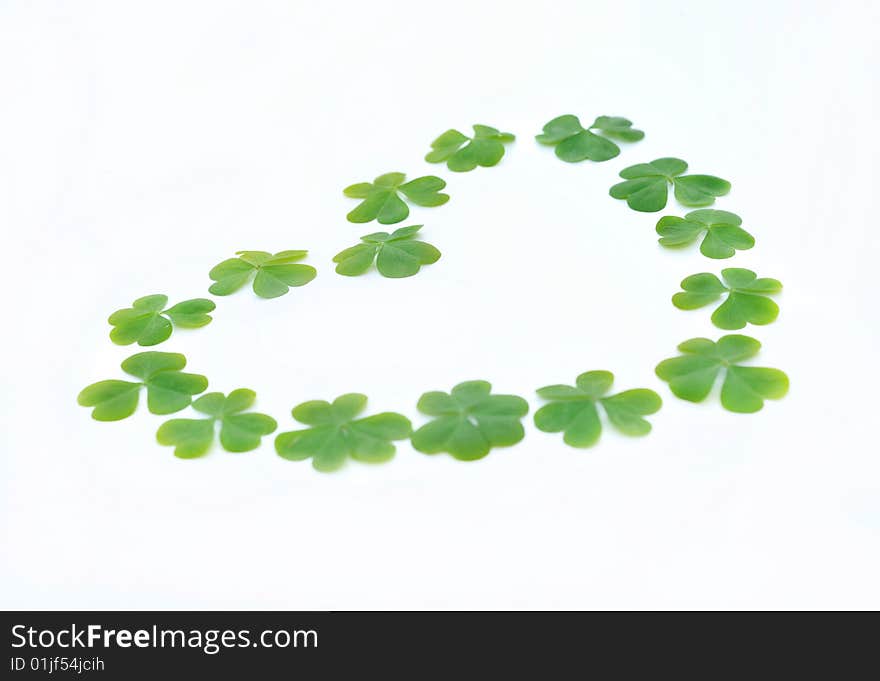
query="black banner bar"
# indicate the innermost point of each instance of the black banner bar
(134, 645)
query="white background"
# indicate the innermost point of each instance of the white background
(142, 143)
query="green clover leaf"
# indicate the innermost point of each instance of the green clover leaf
(470, 421)
(485, 148)
(397, 254)
(275, 274)
(645, 186)
(168, 388)
(149, 322)
(573, 409)
(746, 303)
(381, 198)
(336, 434)
(576, 143)
(724, 236)
(239, 432)
(692, 375)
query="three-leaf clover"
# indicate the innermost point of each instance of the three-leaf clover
(724, 236)
(336, 434)
(485, 148)
(573, 409)
(397, 254)
(381, 197)
(149, 322)
(692, 375)
(470, 421)
(168, 388)
(645, 186)
(238, 432)
(275, 274)
(576, 143)
(746, 303)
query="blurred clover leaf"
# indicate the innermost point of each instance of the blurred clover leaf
(381, 198)
(576, 143)
(746, 303)
(239, 432)
(470, 421)
(168, 388)
(692, 375)
(724, 236)
(335, 433)
(397, 254)
(573, 409)
(645, 186)
(463, 153)
(275, 274)
(149, 322)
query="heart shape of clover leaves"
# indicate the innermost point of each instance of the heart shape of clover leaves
(469, 420)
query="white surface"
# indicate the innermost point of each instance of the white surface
(141, 143)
